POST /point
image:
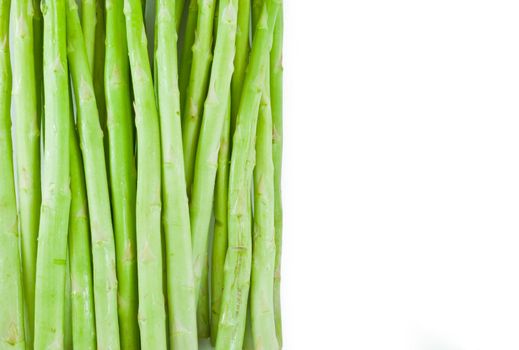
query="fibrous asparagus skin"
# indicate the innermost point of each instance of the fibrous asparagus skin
(12, 334)
(180, 282)
(276, 85)
(27, 136)
(197, 87)
(209, 141)
(122, 170)
(186, 53)
(53, 231)
(220, 224)
(264, 248)
(91, 139)
(152, 315)
(83, 317)
(88, 24)
(238, 259)
(241, 57)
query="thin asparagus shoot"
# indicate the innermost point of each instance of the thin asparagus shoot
(197, 87)
(241, 57)
(238, 260)
(122, 170)
(264, 250)
(220, 224)
(180, 281)
(88, 24)
(276, 86)
(53, 230)
(82, 295)
(186, 52)
(206, 164)
(27, 138)
(12, 333)
(152, 314)
(91, 139)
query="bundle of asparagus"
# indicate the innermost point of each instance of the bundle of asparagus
(106, 230)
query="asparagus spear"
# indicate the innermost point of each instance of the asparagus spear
(238, 259)
(264, 251)
(180, 283)
(52, 239)
(179, 10)
(27, 137)
(98, 73)
(197, 87)
(91, 138)
(88, 23)
(152, 315)
(241, 57)
(37, 21)
(12, 333)
(83, 321)
(207, 154)
(220, 224)
(122, 169)
(186, 54)
(276, 84)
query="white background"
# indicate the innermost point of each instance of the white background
(401, 175)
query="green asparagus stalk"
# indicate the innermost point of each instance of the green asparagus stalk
(79, 304)
(12, 333)
(152, 314)
(98, 73)
(91, 138)
(209, 141)
(179, 11)
(180, 282)
(83, 319)
(38, 59)
(122, 170)
(27, 148)
(222, 177)
(186, 53)
(88, 24)
(53, 232)
(276, 85)
(264, 251)
(197, 87)
(238, 259)
(248, 342)
(241, 57)
(220, 224)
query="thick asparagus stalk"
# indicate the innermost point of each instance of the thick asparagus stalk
(91, 138)
(209, 142)
(186, 53)
(122, 170)
(180, 282)
(152, 315)
(27, 144)
(197, 87)
(241, 58)
(220, 224)
(83, 318)
(88, 24)
(264, 251)
(52, 238)
(276, 85)
(12, 334)
(238, 259)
